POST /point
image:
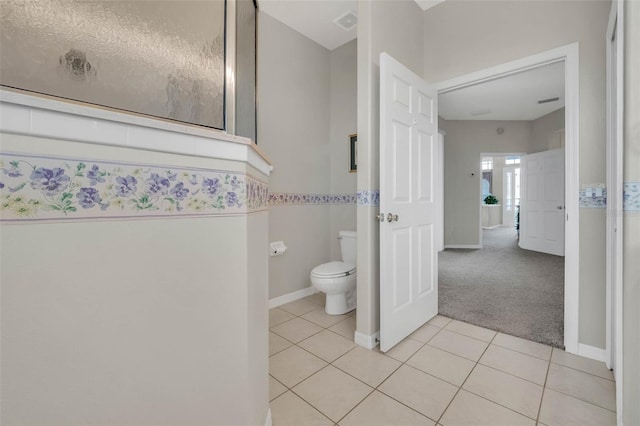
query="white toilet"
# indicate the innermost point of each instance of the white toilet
(338, 279)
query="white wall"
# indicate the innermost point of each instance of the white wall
(293, 130)
(133, 321)
(306, 112)
(544, 128)
(462, 37)
(464, 143)
(343, 111)
(631, 239)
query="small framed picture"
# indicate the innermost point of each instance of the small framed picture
(353, 153)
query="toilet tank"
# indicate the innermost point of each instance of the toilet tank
(348, 245)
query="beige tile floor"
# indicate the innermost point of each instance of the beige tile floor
(446, 373)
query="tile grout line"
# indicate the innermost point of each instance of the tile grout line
(394, 371)
(355, 406)
(391, 374)
(306, 402)
(529, 381)
(290, 389)
(285, 389)
(422, 345)
(308, 337)
(318, 409)
(582, 371)
(289, 341)
(509, 374)
(577, 397)
(581, 400)
(504, 372)
(339, 369)
(465, 380)
(523, 353)
(335, 366)
(485, 398)
(544, 388)
(512, 375)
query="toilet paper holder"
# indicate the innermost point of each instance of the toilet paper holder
(277, 248)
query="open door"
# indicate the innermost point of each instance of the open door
(408, 177)
(542, 202)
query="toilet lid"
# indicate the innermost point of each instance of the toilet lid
(333, 269)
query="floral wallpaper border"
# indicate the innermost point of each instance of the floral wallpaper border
(49, 188)
(368, 197)
(593, 202)
(631, 197)
(283, 198)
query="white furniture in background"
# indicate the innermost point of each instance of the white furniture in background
(491, 215)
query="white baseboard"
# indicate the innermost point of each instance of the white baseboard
(592, 352)
(291, 297)
(268, 421)
(492, 227)
(463, 246)
(367, 341)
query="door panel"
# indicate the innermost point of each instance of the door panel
(425, 164)
(408, 263)
(425, 268)
(401, 268)
(401, 165)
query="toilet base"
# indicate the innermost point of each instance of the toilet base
(341, 303)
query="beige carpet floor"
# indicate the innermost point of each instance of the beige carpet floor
(505, 288)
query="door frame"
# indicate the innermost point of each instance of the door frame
(513, 184)
(570, 55)
(615, 143)
(489, 154)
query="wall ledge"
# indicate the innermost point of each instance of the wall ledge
(45, 116)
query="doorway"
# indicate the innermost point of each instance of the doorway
(502, 286)
(510, 190)
(568, 56)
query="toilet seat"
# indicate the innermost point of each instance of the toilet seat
(333, 270)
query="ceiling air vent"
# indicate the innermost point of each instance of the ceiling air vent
(347, 21)
(544, 101)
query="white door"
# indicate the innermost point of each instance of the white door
(509, 201)
(440, 193)
(542, 213)
(408, 158)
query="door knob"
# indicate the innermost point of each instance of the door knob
(392, 217)
(380, 217)
(559, 207)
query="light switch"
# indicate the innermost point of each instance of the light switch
(598, 192)
(588, 192)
